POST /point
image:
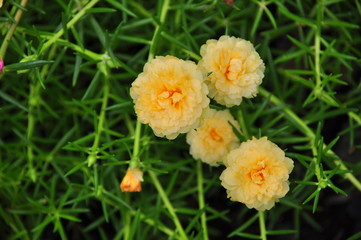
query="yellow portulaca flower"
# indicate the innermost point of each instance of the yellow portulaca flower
(132, 180)
(212, 141)
(170, 95)
(257, 173)
(235, 69)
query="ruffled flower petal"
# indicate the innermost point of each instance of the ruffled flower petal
(257, 174)
(234, 69)
(170, 95)
(212, 141)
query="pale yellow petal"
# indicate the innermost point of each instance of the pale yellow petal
(214, 138)
(257, 174)
(234, 69)
(170, 95)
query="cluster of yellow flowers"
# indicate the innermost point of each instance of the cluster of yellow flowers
(171, 96)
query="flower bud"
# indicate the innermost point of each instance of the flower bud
(132, 180)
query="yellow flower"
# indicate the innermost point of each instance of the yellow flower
(235, 69)
(212, 141)
(257, 174)
(132, 180)
(170, 95)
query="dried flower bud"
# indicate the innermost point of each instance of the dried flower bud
(132, 180)
(229, 2)
(1, 64)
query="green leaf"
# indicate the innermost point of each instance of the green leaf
(315, 202)
(338, 23)
(75, 169)
(43, 224)
(281, 232)
(18, 5)
(101, 10)
(337, 190)
(294, 17)
(121, 7)
(300, 44)
(38, 77)
(78, 61)
(330, 145)
(117, 199)
(10, 99)
(307, 183)
(309, 198)
(256, 22)
(105, 211)
(26, 65)
(356, 236)
(69, 217)
(248, 235)
(243, 226)
(271, 18)
(288, 56)
(98, 30)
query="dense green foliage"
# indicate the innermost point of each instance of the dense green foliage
(68, 129)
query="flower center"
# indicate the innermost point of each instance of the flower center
(215, 136)
(258, 175)
(234, 69)
(170, 98)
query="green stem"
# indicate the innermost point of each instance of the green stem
(92, 55)
(11, 31)
(70, 24)
(302, 127)
(93, 154)
(33, 101)
(164, 11)
(135, 160)
(127, 219)
(163, 15)
(317, 46)
(129, 124)
(168, 205)
(262, 225)
(201, 200)
(242, 123)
